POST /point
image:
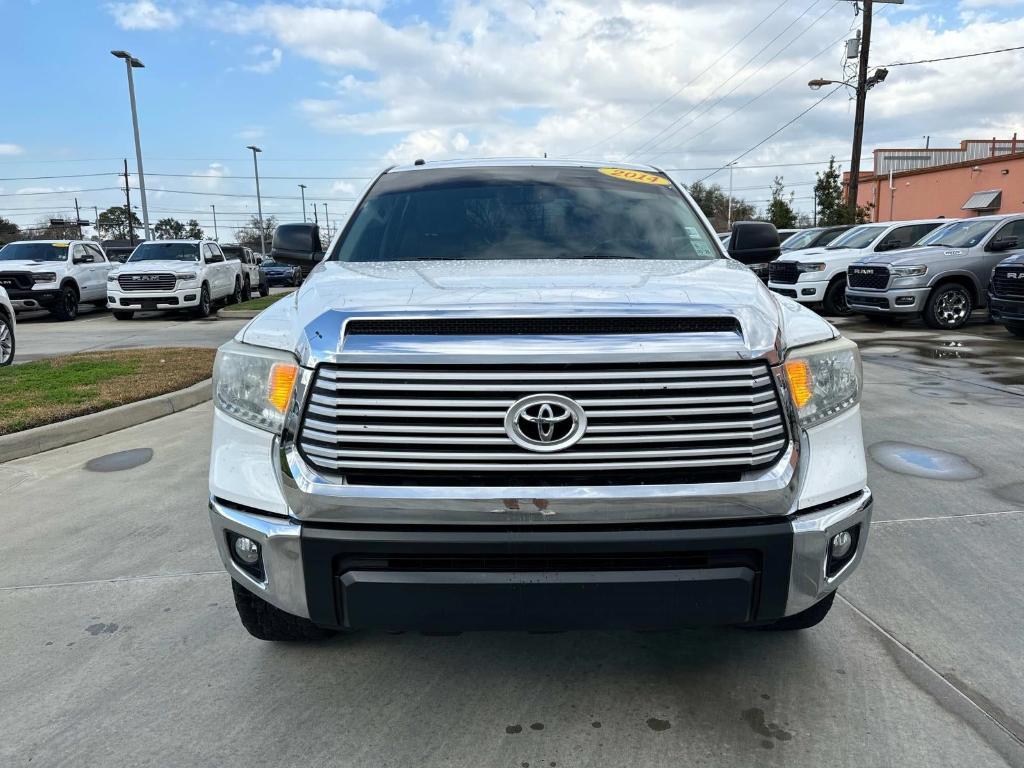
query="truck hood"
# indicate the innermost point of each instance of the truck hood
(336, 291)
(820, 254)
(169, 265)
(906, 256)
(23, 265)
(1017, 259)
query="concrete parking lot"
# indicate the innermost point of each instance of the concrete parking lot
(121, 646)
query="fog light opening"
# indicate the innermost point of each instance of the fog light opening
(806, 291)
(841, 549)
(247, 554)
(904, 301)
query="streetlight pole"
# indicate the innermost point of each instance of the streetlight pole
(259, 202)
(327, 222)
(728, 222)
(302, 187)
(133, 63)
(214, 209)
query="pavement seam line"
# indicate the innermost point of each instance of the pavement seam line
(115, 580)
(946, 517)
(920, 659)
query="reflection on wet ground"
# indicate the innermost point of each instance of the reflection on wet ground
(917, 460)
(991, 360)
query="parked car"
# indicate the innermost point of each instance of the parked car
(574, 412)
(56, 275)
(815, 237)
(282, 274)
(174, 275)
(253, 278)
(943, 280)
(818, 275)
(1006, 293)
(7, 324)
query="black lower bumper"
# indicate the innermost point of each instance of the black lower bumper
(42, 298)
(464, 579)
(1001, 309)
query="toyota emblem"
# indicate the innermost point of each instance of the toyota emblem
(545, 423)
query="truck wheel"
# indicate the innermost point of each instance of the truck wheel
(236, 295)
(6, 341)
(835, 299)
(204, 307)
(66, 307)
(1017, 329)
(806, 619)
(123, 314)
(297, 279)
(264, 289)
(949, 307)
(267, 622)
(247, 289)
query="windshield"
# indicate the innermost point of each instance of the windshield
(959, 234)
(524, 213)
(165, 252)
(858, 237)
(34, 252)
(800, 240)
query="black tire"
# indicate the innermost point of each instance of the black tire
(66, 307)
(205, 306)
(264, 289)
(247, 289)
(806, 619)
(1017, 329)
(236, 295)
(949, 307)
(7, 344)
(835, 299)
(267, 622)
(297, 279)
(123, 314)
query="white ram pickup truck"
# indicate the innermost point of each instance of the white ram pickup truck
(536, 395)
(174, 275)
(56, 275)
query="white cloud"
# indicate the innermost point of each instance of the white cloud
(142, 14)
(266, 66)
(11, 149)
(252, 133)
(344, 188)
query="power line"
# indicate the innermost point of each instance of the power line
(949, 58)
(65, 176)
(683, 88)
(652, 141)
(746, 79)
(60, 191)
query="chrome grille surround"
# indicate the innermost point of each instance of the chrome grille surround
(449, 419)
(870, 277)
(163, 281)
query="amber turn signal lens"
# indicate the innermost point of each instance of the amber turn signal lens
(800, 384)
(282, 379)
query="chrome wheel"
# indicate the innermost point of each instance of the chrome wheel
(953, 307)
(6, 342)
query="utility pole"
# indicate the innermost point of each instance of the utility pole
(858, 120)
(78, 219)
(728, 221)
(815, 209)
(327, 222)
(302, 187)
(128, 206)
(214, 209)
(927, 141)
(315, 219)
(259, 202)
(96, 220)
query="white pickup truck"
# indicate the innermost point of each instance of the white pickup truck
(174, 275)
(56, 275)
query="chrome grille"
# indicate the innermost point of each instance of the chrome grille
(395, 421)
(146, 282)
(876, 278)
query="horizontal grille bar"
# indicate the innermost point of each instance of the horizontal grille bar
(540, 326)
(393, 424)
(1003, 285)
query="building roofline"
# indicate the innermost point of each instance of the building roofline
(947, 167)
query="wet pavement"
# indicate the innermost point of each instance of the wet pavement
(121, 645)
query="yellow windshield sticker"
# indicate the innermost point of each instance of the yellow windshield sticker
(60, 245)
(638, 176)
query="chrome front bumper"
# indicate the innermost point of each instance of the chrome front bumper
(284, 586)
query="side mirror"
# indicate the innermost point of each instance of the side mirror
(754, 242)
(298, 245)
(1003, 243)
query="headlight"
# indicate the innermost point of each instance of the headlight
(915, 271)
(824, 379)
(44, 277)
(186, 276)
(815, 267)
(111, 277)
(254, 384)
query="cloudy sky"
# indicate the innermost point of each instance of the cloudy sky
(334, 91)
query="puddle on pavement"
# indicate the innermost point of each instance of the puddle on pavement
(997, 361)
(116, 462)
(919, 461)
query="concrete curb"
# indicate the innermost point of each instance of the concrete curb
(238, 314)
(50, 436)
